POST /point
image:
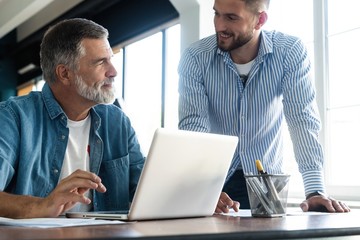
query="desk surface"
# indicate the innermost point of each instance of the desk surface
(215, 227)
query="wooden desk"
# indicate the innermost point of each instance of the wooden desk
(216, 227)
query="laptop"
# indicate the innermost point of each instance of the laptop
(183, 176)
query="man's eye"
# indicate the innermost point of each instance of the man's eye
(232, 18)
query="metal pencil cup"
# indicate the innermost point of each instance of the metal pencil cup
(268, 194)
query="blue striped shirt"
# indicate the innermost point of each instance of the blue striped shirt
(213, 99)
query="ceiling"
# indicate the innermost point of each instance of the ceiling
(23, 23)
(14, 13)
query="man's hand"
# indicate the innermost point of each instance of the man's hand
(70, 191)
(225, 203)
(322, 203)
(67, 193)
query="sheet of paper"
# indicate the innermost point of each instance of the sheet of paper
(294, 211)
(240, 213)
(291, 211)
(55, 222)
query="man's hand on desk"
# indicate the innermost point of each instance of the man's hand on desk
(322, 203)
(225, 203)
(68, 192)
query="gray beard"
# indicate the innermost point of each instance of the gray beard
(95, 93)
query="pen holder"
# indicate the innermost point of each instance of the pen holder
(268, 194)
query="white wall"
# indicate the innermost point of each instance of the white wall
(196, 19)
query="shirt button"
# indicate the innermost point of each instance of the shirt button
(62, 137)
(56, 171)
(98, 141)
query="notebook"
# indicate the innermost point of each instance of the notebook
(182, 177)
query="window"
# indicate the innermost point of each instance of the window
(33, 85)
(147, 79)
(343, 101)
(171, 84)
(24, 89)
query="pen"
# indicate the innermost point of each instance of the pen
(260, 167)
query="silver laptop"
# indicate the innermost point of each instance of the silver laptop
(182, 177)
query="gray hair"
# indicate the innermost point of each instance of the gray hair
(61, 44)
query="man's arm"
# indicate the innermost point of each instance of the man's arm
(67, 193)
(193, 102)
(15, 206)
(304, 125)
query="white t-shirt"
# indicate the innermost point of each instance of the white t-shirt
(243, 70)
(77, 154)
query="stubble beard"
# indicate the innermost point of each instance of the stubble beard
(235, 43)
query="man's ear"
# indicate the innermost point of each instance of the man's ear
(63, 74)
(262, 20)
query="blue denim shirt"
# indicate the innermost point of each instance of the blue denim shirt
(33, 140)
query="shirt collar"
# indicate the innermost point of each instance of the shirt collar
(52, 106)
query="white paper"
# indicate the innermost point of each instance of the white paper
(240, 213)
(55, 222)
(291, 211)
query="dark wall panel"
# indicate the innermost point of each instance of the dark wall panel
(130, 18)
(8, 76)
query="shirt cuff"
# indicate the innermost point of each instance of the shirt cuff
(313, 181)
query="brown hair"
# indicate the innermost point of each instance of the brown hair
(257, 5)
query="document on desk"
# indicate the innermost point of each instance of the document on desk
(291, 211)
(55, 222)
(240, 213)
(294, 211)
